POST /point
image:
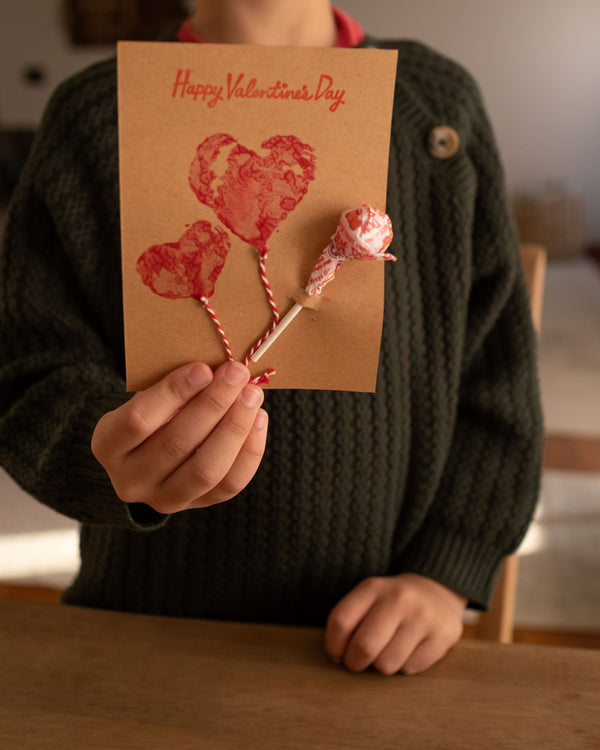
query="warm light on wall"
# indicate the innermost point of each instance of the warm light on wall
(43, 553)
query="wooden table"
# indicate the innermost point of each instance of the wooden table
(82, 678)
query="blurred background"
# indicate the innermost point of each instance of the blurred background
(537, 63)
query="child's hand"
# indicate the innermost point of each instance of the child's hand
(190, 441)
(404, 622)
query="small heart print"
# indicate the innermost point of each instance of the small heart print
(189, 267)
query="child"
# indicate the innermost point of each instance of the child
(377, 516)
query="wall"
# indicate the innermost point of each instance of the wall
(31, 33)
(537, 62)
(538, 65)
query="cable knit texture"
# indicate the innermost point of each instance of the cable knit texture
(437, 473)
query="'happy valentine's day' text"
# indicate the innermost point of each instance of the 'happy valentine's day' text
(242, 87)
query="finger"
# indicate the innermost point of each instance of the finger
(372, 635)
(243, 468)
(346, 616)
(426, 654)
(127, 427)
(172, 445)
(394, 656)
(206, 468)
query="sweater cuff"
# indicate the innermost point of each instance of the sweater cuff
(93, 498)
(467, 566)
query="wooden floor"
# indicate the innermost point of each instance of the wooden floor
(561, 452)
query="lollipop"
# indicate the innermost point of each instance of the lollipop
(189, 267)
(362, 233)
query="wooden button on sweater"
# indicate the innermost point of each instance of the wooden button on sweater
(443, 142)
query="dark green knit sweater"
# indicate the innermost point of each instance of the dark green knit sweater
(437, 473)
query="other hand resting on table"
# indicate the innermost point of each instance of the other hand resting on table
(398, 623)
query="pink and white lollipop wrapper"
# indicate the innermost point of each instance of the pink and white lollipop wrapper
(362, 233)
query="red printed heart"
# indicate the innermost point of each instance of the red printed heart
(189, 267)
(252, 194)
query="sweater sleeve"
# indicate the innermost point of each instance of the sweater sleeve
(60, 309)
(490, 479)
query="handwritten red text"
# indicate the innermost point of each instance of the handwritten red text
(241, 86)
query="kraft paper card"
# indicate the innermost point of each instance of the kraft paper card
(230, 155)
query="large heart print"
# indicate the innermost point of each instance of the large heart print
(189, 267)
(252, 194)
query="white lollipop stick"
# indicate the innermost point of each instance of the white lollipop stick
(277, 331)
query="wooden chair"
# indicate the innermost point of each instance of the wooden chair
(497, 624)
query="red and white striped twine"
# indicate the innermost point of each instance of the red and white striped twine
(218, 326)
(262, 252)
(260, 341)
(257, 379)
(264, 377)
(262, 259)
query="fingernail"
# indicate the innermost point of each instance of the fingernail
(261, 419)
(236, 373)
(252, 395)
(199, 376)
